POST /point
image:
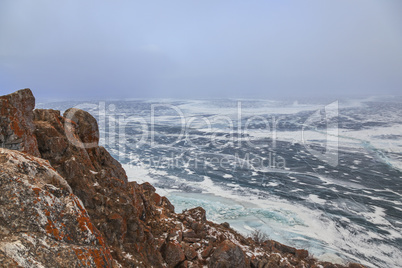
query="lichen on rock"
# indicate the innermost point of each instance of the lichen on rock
(42, 223)
(16, 127)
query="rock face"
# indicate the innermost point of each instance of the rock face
(76, 204)
(117, 208)
(41, 221)
(16, 128)
(227, 254)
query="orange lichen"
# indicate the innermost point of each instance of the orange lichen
(36, 190)
(96, 256)
(98, 259)
(47, 213)
(81, 256)
(115, 216)
(16, 128)
(52, 229)
(83, 220)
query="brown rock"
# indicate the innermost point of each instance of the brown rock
(271, 264)
(228, 255)
(189, 234)
(166, 204)
(190, 253)
(87, 127)
(225, 224)
(207, 252)
(284, 249)
(285, 264)
(198, 214)
(16, 127)
(183, 264)
(198, 227)
(173, 254)
(42, 223)
(191, 240)
(301, 253)
(254, 262)
(176, 235)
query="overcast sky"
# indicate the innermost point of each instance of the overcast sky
(201, 49)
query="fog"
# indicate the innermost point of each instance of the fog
(201, 49)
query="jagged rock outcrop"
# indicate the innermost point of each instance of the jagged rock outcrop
(118, 208)
(42, 223)
(16, 128)
(132, 225)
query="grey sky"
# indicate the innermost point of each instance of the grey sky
(201, 49)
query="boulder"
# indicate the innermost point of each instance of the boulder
(172, 253)
(301, 253)
(190, 253)
(87, 127)
(198, 214)
(16, 117)
(207, 251)
(228, 255)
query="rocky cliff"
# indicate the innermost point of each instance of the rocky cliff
(67, 203)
